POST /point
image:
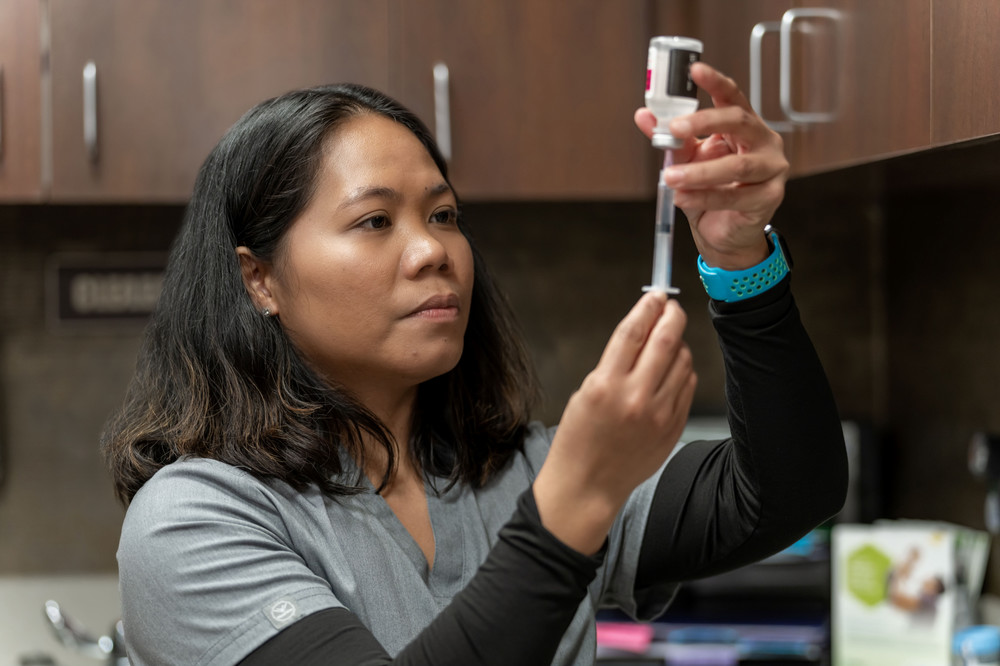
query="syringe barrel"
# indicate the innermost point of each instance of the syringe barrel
(663, 239)
(664, 207)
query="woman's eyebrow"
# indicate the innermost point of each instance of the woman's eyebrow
(369, 192)
(382, 192)
(438, 190)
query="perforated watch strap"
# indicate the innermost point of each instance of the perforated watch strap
(732, 286)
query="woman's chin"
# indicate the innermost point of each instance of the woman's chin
(439, 366)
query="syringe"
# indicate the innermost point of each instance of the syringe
(663, 240)
(670, 92)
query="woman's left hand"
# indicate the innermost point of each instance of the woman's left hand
(729, 183)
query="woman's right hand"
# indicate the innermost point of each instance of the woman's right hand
(620, 426)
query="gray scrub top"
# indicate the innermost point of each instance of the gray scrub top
(214, 562)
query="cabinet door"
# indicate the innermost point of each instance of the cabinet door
(966, 93)
(171, 77)
(20, 101)
(727, 30)
(541, 94)
(878, 56)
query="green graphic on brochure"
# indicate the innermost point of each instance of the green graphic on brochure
(867, 572)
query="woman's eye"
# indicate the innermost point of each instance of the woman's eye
(446, 216)
(376, 222)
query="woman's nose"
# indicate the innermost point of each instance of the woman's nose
(424, 251)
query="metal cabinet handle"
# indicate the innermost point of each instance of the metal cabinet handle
(756, 80)
(442, 110)
(788, 20)
(90, 110)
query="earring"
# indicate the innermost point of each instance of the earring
(266, 312)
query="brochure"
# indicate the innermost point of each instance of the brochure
(901, 589)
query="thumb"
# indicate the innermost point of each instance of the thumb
(645, 120)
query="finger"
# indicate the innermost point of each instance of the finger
(682, 405)
(645, 120)
(743, 125)
(674, 409)
(685, 153)
(660, 351)
(713, 147)
(631, 334)
(677, 407)
(740, 198)
(677, 376)
(722, 89)
(746, 168)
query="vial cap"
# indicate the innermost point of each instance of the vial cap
(662, 138)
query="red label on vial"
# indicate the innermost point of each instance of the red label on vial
(649, 78)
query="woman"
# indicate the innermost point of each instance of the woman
(326, 450)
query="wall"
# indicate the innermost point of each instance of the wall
(57, 510)
(572, 270)
(944, 338)
(924, 328)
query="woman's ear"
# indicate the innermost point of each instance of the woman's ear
(256, 278)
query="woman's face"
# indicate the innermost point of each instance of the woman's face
(373, 282)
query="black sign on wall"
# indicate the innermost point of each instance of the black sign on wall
(105, 288)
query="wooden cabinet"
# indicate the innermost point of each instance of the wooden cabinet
(965, 101)
(20, 101)
(727, 30)
(863, 80)
(878, 56)
(843, 81)
(168, 78)
(123, 99)
(541, 94)
(540, 97)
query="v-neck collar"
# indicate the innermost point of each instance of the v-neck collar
(448, 513)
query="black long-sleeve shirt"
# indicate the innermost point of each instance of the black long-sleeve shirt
(717, 506)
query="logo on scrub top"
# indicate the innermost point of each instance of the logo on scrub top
(281, 612)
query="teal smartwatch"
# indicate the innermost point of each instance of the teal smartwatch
(733, 286)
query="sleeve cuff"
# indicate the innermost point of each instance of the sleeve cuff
(550, 544)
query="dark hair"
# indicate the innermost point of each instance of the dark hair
(215, 379)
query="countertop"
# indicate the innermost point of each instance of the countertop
(91, 600)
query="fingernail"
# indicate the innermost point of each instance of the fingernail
(655, 296)
(673, 176)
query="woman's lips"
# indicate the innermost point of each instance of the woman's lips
(439, 306)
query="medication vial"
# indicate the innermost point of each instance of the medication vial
(670, 92)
